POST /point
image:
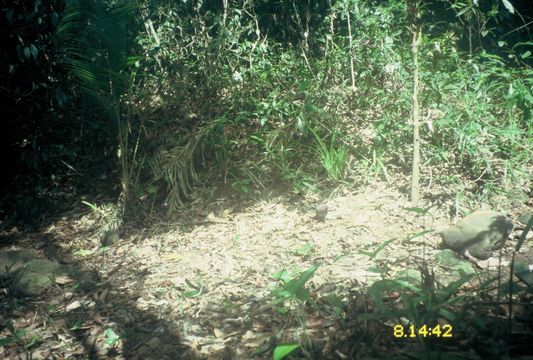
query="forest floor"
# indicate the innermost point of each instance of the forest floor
(205, 285)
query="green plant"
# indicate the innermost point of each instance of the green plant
(197, 290)
(108, 219)
(19, 336)
(112, 338)
(332, 157)
(95, 44)
(242, 185)
(305, 250)
(422, 302)
(293, 288)
(282, 350)
(293, 292)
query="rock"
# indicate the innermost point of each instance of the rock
(11, 261)
(27, 273)
(480, 233)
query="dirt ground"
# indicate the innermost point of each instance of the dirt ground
(200, 286)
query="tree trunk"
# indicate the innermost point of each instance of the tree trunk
(415, 180)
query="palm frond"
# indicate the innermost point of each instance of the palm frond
(93, 40)
(175, 166)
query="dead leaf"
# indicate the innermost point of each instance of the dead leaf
(172, 257)
(64, 280)
(218, 333)
(73, 305)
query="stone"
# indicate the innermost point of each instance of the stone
(28, 274)
(480, 233)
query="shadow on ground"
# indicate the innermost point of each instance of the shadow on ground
(90, 317)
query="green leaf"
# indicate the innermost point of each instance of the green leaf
(6, 341)
(283, 350)
(301, 125)
(283, 276)
(305, 250)
(152, 189)
(449, 259)
(418, 210)
(192, 293)
(34, 340)
(61, 97)
(83, 252)
(10, 325)
(111, 337)
(448, 315)
(508, 6)
(451, 288)
(411, 309)
(368, 316)
(378, 288)
(411, 275)
(76, 326)
(334, 301)
(421, 233)
(523, 235)
(54, 18)
(34, 51)
(378, 249)
(27, 52)
(521, 269)
(295, 287)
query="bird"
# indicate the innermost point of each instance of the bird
(480, 233)
(321, 212)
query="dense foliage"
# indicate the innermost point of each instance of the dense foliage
(250, 93)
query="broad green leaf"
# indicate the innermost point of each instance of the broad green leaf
(410, 275)
(296, 286)
(410, 308)
(283, 350)
(111, 337)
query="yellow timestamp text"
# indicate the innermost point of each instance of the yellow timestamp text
(412, 331)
